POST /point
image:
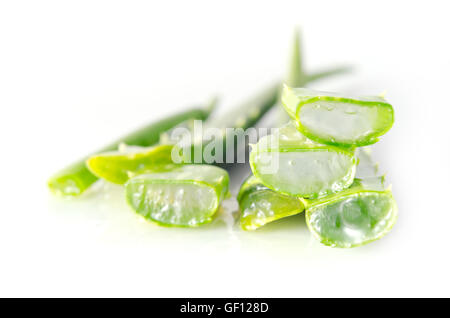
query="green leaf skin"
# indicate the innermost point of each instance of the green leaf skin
(260, 205)
(335, 119)
(117, 167)
(354, 217)
(305, 168)
(296, 74)
(240, 118)
(248, 113)
(76, 178)
(185, 196)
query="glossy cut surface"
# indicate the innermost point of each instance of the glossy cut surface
(119, 166)
(290, 163)
(363, 213)
(260, 205)
(186, 196)
(336, 119)
(353, 218)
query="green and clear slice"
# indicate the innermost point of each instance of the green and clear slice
(186, 196)
(119, 166)
(363, 213)
(260, 205)
(354, 217)
(291, 164)
(336, 119)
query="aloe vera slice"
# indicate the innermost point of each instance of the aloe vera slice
(336, 119)
(119, 166)
(354, 217)
(363, 213)
(260, 205)
(290, 163)
(186, 196)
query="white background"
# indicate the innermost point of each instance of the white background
(77, 74)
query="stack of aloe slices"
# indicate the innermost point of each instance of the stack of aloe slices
(310, 165)
(164, 191)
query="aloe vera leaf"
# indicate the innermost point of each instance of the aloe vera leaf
(336, 119)
(290, 163)
(296, 74)
(239, 118)
(76, 178)
(247, 114)
(118, 166)
(361, 214)
(260, 205)
(185, 196)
